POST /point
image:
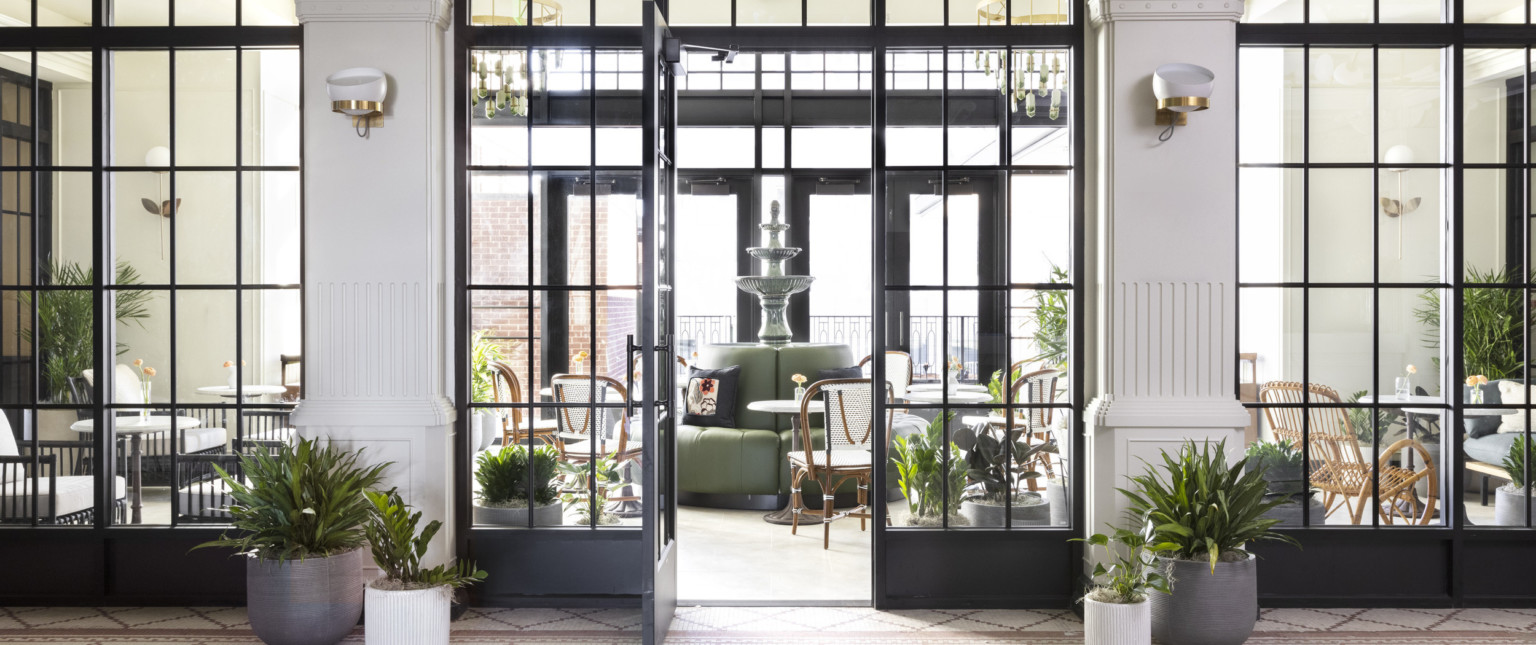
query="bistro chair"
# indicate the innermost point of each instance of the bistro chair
(1034, 424)
(1339, 469)
(513, 429)
(845, 454)
(56, 482)
(579, 425)
(203, 496)
(898, 371)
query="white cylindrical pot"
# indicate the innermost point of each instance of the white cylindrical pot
(490, 428)
(407, 617)
(476, 433)
(1509, 506)
(1107, 623)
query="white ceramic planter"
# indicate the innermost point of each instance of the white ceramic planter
(1509, 504)
(490, 428)
(1106, 623)
(411, 617)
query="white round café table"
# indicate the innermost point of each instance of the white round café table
(1409, 409)
(247, 391)
(937, 396)
(785, 516)
(135, 428)
(935, 387)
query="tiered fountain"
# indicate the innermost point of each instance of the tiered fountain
(773, 290)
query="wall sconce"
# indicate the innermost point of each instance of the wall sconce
(160, 157)
(1180, 88)
(1399, 155)
(359, 92)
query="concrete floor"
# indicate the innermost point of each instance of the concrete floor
(735, 557)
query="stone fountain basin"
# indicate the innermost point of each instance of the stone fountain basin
(772, 254)
(777, 285)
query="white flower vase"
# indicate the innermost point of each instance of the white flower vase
(1107, 623)
(799, 393)
(407, 617)
(954, 378)
(144, 412)
(234, 378)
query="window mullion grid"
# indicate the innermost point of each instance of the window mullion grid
(1306, 274)
(101, 251)
(239, 255)
(944, 409)
(1376, 289)
(1525, 260)
(1005, 155)
(35, 279)
(1457, 270)
(175, 430)
(596, 431)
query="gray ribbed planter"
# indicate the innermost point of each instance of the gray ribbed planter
(993, 515)
(315, 601)
(547, 515)
(1508, 509)
(1207, 608)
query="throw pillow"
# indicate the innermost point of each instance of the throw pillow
(1512, 393)
(1482, 426)
(711, 399)
(839, 372)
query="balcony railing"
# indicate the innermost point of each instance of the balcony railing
(925, 335)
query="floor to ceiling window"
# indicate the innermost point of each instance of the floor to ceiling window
(1383, 266)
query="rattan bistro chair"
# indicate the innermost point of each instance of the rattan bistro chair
(1338, 468)
(898, 371)
(846, 453)
(587, 425)
(1034, 388)
(513, 428)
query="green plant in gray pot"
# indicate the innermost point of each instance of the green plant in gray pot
(1000, 490)
(1279, 463)
(298, 515)
(1208, 511)
(1512, 501)
(929, 483)
(505, 478)
(410, 604)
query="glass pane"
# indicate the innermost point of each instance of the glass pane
(914, 12)
(269, 12)
(1040, 227)
(699, 12)
(1342, 212)
(1491, 226)
(143, 334)
(506, 320)
(716, 148)
(26, 487)
(1269, 328)
(618, 230)
(67, 94)
(1492, 88)
(1411, 240)
(206, 325)
(1341, 342)
(1410, 336)
(926, 445)
(271, 244)
(63, 342)
(914, 219)
(1268, 11)
(1270, 225)
(1410, 109)
(830, 147)
(914, 131)
(975, 78)
(62, 13)
(142, 235)
(1270, 105)
(617, 12)
(1505, 11)
(500, 229)
(1341, 105)
(271, 325)
(205, 12)
(706, 293)
(1040, 336)
(767, 12)
(205, 233)
(1411, 485)
(564, 137)
(837, 12)
(140, 13)
(1411, 11)
(1342, 10)
(141, 109)
(841, 261)
(269, 131)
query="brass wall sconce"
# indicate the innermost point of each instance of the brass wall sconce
(1180, 88)
(1399, 156)
(359, 92)
(160, 157)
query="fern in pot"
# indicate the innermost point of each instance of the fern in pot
(999, 489)
(1117, 610)
(1207, 510)
(1511, 500)
(298, 514)
(410, 604)
(507, 476)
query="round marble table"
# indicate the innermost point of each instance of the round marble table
(245, 391)
(786, 515)
(935, 387)
(955, 396)
(135, 428)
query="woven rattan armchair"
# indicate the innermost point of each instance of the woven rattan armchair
(1338, 468)
(846, 453)
(513, 429)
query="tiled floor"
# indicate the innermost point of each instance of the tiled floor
(737, 625)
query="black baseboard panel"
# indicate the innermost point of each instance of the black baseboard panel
(1021, 569)
(574, 563)
(117, 567)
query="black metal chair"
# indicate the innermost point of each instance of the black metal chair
(204, 497)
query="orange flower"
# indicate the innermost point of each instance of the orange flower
(149, 371)
(138, 362)
(229, 363)
(799, 379)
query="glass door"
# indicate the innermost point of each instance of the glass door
(659, 121)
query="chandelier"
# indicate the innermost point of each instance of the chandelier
(499, 79)
(1035, 73)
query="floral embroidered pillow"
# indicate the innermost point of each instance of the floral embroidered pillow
(710, 399)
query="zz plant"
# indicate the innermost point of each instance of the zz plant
(1130, 574)
(303, 501)
(929, 484)
(1514, 464)
(398, 548)
(504, 479)
(1202, 507)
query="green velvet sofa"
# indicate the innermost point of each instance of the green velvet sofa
(746, 466)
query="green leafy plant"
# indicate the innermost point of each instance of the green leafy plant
(1491, 322)
(1361, 420)
(1203, 507)
(1053, 328)
(303, 501)
(64, 318)
(588, 483)
(1130, 574)
(504, 478)
(1514, 463)
(398, 548)
(999, 389)
(1279, 464)
(482, 351)
(922, 473)
(987, 460)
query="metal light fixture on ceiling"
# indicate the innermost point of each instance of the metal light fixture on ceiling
(529, 12)
(1035, 73)
(500, 78)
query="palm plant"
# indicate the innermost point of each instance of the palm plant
(929, 484)
(482, 351)
(302, 501)
(1491, 322)
(1204, 508)
(398, 549)
(64, 340)
(1514, 463)
(504, 478)
(1053, 328)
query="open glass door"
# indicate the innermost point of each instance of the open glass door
(659, 481)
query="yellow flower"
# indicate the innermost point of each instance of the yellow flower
(1413, 370)
(149, 371)
(799, 379)
(580, 356)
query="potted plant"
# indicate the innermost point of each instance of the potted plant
(1116, 611)
(1053, 323)
(505, 482)
(929, 484)
(410, 604)
(1208, 511)
(1511, 501)
(1279, 464)
(485, 423)
(585, 491)
(999, 490)
(300, 521)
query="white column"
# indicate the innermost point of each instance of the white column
(378, 341)
(1166, 246)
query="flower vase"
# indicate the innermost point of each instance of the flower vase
(954, 378)
(1404, 387)
(1476, 395)
(799, 393)
(144, 411)
(234, 378)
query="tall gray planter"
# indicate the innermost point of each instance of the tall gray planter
(1510, 505)
(1207, 608)
(315, 601)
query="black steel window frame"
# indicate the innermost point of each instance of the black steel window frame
(101, 40)
(1453, 582)
(877, 38)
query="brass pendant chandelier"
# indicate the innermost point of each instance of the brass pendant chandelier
(500, 78)
(1035, 73)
